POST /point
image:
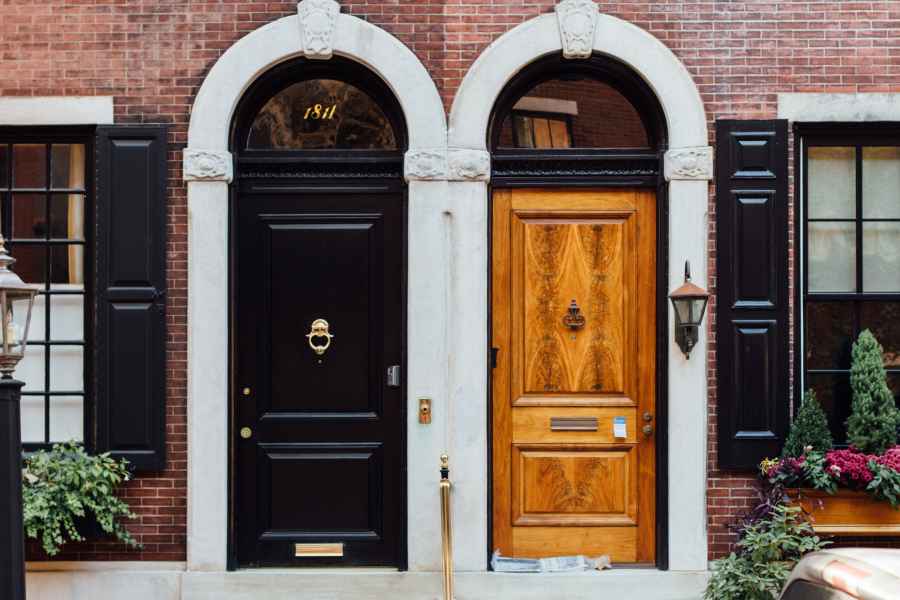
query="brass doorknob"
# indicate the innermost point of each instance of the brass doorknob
(246, 433)
(647, 429)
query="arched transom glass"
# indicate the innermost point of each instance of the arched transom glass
(573, 112)
(321, 114)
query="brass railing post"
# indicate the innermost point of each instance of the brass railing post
(446, 529)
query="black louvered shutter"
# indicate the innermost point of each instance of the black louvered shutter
(130, 326)
(752, 290)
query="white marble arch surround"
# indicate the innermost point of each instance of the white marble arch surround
(208, 170)
(447, 267)
(688, 168)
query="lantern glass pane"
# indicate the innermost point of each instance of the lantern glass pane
(17, 328)
(683, 308)
(697, 308)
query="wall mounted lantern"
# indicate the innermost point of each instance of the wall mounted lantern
(689, 302)
(16, 301)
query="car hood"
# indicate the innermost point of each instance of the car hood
(865, 573)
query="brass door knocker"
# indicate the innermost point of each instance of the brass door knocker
(573, 319)
(319, 329)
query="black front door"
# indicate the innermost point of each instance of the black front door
(318, 420)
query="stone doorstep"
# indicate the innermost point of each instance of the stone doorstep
(361, 584)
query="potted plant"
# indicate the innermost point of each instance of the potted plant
(771, 539)
(852, 491)
(68, 495)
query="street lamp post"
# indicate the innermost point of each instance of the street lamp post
(16, 301)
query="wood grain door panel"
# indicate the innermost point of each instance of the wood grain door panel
(564, 481)
(574, 485)
(580, 257)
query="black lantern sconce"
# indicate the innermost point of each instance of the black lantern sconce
(689, 302)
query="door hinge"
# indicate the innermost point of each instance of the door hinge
(494, 353)
(393, 376)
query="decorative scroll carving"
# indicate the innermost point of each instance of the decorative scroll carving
(423, 165)
(207, 165)
(577, 22)
(456, 164)
(689, 163)
(469, 165)
(318, 19)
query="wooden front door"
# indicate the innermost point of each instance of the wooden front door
(318, 422)
(574, 328)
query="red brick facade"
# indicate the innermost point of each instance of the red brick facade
(152, 55)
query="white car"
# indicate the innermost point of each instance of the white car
(846, 574)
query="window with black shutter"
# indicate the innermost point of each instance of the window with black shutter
(45, 205)
(83, 212)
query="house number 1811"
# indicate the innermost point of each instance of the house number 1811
(319, 112)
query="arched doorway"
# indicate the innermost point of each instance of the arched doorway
(576, 320)
(318, 319)
(578, 31)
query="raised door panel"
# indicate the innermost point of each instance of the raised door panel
(325, 513)
(325, 266)
(574, 485)
(753, 254)
(583, 425)
(582, 260)
(755, 360)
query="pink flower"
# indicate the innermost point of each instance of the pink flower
(850, 467)
(890, 459)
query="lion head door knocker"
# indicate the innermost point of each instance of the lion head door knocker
(573, 319)
(318, 331)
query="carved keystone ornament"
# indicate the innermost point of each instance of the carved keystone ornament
(318, 19)
(577, 23)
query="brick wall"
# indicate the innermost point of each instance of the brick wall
(152, 56)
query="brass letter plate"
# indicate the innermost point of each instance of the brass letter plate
(318, 550)
(573, 423)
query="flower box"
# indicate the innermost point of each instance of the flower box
(847, 513)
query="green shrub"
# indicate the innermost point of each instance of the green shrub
(809, 429)
(872, 426)
(767, 551)
(65, 486)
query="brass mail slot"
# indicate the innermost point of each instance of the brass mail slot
(573, 423)
(318, 550)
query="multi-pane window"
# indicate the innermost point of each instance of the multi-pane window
(44, 195)
(850, 264)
